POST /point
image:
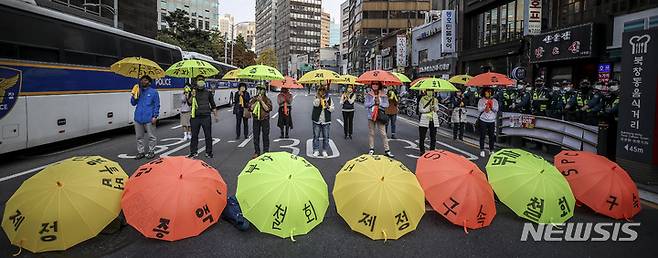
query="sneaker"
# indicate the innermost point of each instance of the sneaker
(371, 152)
(324, 154)
(255, 156)
(482, 154)
(139, 156)
(316, 153)
(209, 155)
(389, 154)
(150, 155)
(393, 136)
(192, 155)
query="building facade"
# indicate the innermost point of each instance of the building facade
(334, 33)
(204, 14)
(247, 30)
(344, 34)
(225, 25)
(265, 36)
(297, 29)
(433, 46)
(325, 21)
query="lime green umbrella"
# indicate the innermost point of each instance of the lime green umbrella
(533, 188)
(260, 72)
(191, 69)
(401, 77)
(282, 194)
(434, 84)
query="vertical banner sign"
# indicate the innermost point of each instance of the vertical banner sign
(378, 62)
(637, 105)
(532, 24)
(447, 31)
(401, 51)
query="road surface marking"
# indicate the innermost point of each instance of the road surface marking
(244, 143)
(340, 122)
(467, 154)
(23, 173)
(187, 145)
(275, 115)
(176, 127)
(295, 142)
(334, 150)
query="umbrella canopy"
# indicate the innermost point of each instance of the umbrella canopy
(456, 188)
(378, 197)
(599, 183)
(401, 77)
(232, 74)
(47, 211)
(490, 79)
(191, 69)
(434, 84)
(282, 194)
(461, 79)
(320, 76)
(417, 80)
(288, 82)
(136, 67)
(384, 77)
(349, 80)
(260, 72)
(173, 198)
(533, 188)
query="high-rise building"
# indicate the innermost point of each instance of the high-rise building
(297, 29)
(226, 22)
(324, 29)
(247, 30)
(204, 14)
(334, 33)
(344, 34)
(265, 25)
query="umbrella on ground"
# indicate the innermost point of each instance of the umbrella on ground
(456, 188)
(282, 194)
(66, 203)
(320, 76)
(490, 79)
(434, 84)
(461, 79)
(260, 72)
(288, 82)
(533, 188)
(232, 74)
(349, 80)
(191, 69)
(417, 80)
(403, 78)
(384, 77)
(136, 67)
(173, 198)
(599, 183)
(379, 197)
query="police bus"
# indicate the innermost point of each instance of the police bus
(55, 82)
(222, 88)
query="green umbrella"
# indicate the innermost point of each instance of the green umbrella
(260, 72)
(401, 77)
(191, 69)
(533, 188)
(434, 84)
(282, 194)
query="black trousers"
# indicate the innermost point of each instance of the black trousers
(261, 126)
(348, 120)
(423, 134)
(197, 123)
(241, 120)
(458, 131)
(487, 129)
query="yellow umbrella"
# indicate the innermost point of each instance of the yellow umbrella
(349, 80)
(378, 197)
(320, 76)
(401, 76)
(136, 67)
(232, 74)
(460, 79)
(66, 203)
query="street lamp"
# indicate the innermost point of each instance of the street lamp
(232, 42)
(114, 10)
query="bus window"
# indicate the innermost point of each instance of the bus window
(8, 51)
(133, 48)
(105, 61)
(71, 57)
(38, 54)
(162, 55)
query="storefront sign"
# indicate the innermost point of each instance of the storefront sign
(448, 31)
(522, 121)
(378, 62)
(386, 51)
(401, 51)
(637, 105)
(436, 66)
(604, 72)
(570, 43)
(519, 73)
(533, 22)
(429, 33)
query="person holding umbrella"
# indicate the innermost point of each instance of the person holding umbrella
(376, 101)
(392, 110)
(146, 101)
(285, 114)
(427, 107)
(260, 106)
(240, 103)
(488, 108)
(321, 116)
(458, 117)
(185, 110)
(202, 102)
(347, 100)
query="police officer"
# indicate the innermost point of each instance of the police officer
(574, 101)
(539, 98)
(611, 99)
(556, 101)
(472, 96)
(508, 99)
(594, 105)
(524, 102)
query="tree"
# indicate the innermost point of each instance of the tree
(181, 32)
(267, 57)
(242, 57)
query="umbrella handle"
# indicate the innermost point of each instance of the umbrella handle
(20, 249)
(292, 235)
(465, 229)
(385, 236)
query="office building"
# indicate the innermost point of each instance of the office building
(324, 26)
(265, 36)
(247, 30)
(204, 14)
(226, 22)
(298, 30)
(334, 33)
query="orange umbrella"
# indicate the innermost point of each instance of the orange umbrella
(417, 80)
(173, 198)
(456, 188)
(599, 183)
(490, 79)
(288, 82)
(384, 77)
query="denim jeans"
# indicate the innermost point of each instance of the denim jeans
(320, 130)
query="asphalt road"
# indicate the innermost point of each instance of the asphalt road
(435, 235)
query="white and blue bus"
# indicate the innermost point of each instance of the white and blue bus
(55, 82)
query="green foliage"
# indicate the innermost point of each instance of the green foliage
(267, 57)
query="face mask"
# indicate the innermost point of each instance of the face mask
(472, 89)
(568, 89)
(242, 89)
(520, 87)
(528, 89)
(144, 83)
(350, 90)
(261, 91)
(375, 87)
(487, 94)
(429, 93)
(614, 88)
(556, 88)
(201, 85)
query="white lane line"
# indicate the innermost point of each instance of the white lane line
(244, 143)
(176, 127)
(340, 122)
(468, 155)
(23, 173)
(275, 115)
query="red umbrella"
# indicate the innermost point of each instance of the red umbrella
(384, 77)
(288, 82)
(490, 79)
(417, 80)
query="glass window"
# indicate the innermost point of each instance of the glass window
(653, 21)
(520, 16)
(511, 8)
(503, 23)
(634, 25)
(487, 28)
(422, 56)
(480, 30)
(494, 26)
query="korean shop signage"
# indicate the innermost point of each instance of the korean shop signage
(570, 43)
